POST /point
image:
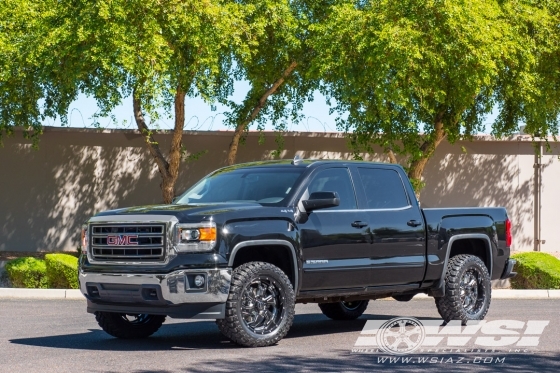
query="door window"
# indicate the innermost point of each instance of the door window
(335, 180)
(384, 188)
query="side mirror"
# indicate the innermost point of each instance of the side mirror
(321, 200)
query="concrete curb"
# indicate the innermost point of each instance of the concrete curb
(512, 294)
(18, 293)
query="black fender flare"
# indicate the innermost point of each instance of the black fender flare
(284, 243)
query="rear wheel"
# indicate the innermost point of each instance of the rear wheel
(468, 290)
(129, 326)
(344, 310)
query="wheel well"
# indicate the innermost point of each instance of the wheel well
(472, 246)
(280, 256)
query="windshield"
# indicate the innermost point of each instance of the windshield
(267, 186)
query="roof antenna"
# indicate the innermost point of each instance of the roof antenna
(297, 160)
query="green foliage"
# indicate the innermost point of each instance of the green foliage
(155, 51)
(27, 272)
(277, 66)
(417, 185)
(62, 271)
(195, 156)
(52, 50)
(536, 270)
(411, 73)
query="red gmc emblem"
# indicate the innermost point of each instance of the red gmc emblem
(122, 240)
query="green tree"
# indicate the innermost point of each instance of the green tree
(22, 93)
(277, 68)
(156, 51)
(528, 89)
(412, 73)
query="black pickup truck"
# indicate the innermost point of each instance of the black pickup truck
(247, 242)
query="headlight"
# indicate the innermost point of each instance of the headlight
(85, 239)
(195, 237)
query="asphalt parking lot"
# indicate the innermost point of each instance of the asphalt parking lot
(59, 336)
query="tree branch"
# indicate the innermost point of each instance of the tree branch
(153, 146)
(240, 128)
(428, 147)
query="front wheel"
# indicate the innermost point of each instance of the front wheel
(260, 307)
(467, 290)
(129, 326)
(344, 310)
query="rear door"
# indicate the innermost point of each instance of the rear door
(395, 225)
(334, 240)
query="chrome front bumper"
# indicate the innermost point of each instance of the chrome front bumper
(158, 293)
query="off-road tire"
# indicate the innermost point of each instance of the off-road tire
(344, 310)
(118, 325)
(235, 326)
(452, 305)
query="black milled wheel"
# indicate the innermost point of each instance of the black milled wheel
(344, 310)
(260, 307)
(129, 326)
(468, 290)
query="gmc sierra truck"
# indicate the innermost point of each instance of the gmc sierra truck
(248, 242)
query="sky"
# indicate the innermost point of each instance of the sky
(201, 116)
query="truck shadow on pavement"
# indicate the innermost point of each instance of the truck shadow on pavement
(192, 335)
(292, 354)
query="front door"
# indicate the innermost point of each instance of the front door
(334, 239)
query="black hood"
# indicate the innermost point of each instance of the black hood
(185, 212)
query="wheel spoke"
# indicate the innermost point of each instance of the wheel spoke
(402, 327)
(393, 334)
(270, 300)
(415, 330)
(408, 342)
(261, 306)
(250, 296)
(395, 344)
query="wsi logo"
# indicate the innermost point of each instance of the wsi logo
(404, 335)
(122, 240)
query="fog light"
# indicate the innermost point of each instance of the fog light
(199, 281)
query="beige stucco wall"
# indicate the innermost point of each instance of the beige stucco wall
(487, 172)
(46, 194)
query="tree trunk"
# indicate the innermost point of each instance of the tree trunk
(391, 155)
(168, 184)
(428, 147)
(242, 126)
(169, 171)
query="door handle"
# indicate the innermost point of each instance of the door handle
(359, 224)
(413, 223)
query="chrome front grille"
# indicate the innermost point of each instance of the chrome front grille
(128, 242)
